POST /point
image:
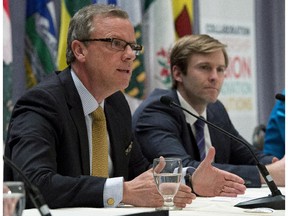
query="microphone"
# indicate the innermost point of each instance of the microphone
(276, 200)
(32, 190)
(280, 97)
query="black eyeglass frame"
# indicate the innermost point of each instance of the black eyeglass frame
(135, 47)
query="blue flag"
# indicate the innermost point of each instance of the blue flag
(40, 40)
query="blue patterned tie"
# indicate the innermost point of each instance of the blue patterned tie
(199, 126)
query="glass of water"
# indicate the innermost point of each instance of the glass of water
(167, 174)
(13, 198)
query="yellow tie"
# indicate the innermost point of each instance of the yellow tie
(99, 144)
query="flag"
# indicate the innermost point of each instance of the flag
(7, 67)
(40, 40)
(137, 83)
(183, 17)
(68, 9)
(158, 37)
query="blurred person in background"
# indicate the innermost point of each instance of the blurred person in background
(274, 141)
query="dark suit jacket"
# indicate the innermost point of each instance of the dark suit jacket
(48, 140)
(162, 130)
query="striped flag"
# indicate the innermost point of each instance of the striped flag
(40, 40)
(183, 17)
(68, 9)
(158, 37)
(7, 72)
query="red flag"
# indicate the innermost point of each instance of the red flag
(7, 60)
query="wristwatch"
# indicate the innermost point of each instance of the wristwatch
(188, 180)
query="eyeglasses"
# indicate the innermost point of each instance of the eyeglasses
(118, 44)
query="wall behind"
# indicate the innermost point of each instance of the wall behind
(270, 43)
(270, 52)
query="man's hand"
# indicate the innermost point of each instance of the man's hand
(183, 196)
(277, 171)
(211, 181)
(9, 204)
(142, 191)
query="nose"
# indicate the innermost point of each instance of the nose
(214, 75)
(129, 54)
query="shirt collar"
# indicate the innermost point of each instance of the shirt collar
(89, 103)
(189, 118)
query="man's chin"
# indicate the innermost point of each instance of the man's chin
(211, 99)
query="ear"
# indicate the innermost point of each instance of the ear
(177, 74)
(79, 50)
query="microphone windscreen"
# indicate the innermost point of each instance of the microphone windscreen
(166, 100)
(280, 97)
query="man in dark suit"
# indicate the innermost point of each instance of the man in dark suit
(50, 134)
(198, 64)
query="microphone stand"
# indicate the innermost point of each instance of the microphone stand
(32, 190)
(276, 200)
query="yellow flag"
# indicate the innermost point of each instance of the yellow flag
(183, 17)
(65, 19)
(68, 9)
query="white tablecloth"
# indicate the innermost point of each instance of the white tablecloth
(201, 206)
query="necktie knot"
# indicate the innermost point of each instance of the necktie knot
(199, 123)
(98, 114)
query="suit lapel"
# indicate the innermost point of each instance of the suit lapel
(119, 127)
(217, 138)
(115, 143)
(76, 111)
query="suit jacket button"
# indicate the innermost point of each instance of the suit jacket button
(110, 201)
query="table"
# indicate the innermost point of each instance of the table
(201, 206)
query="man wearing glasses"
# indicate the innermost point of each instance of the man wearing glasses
(52, 133)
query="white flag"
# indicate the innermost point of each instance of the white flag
(158, 38)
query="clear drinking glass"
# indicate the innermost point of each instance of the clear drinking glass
(13, 198)
(167, 174)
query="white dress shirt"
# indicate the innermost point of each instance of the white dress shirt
(113, 188)
(191, 120)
